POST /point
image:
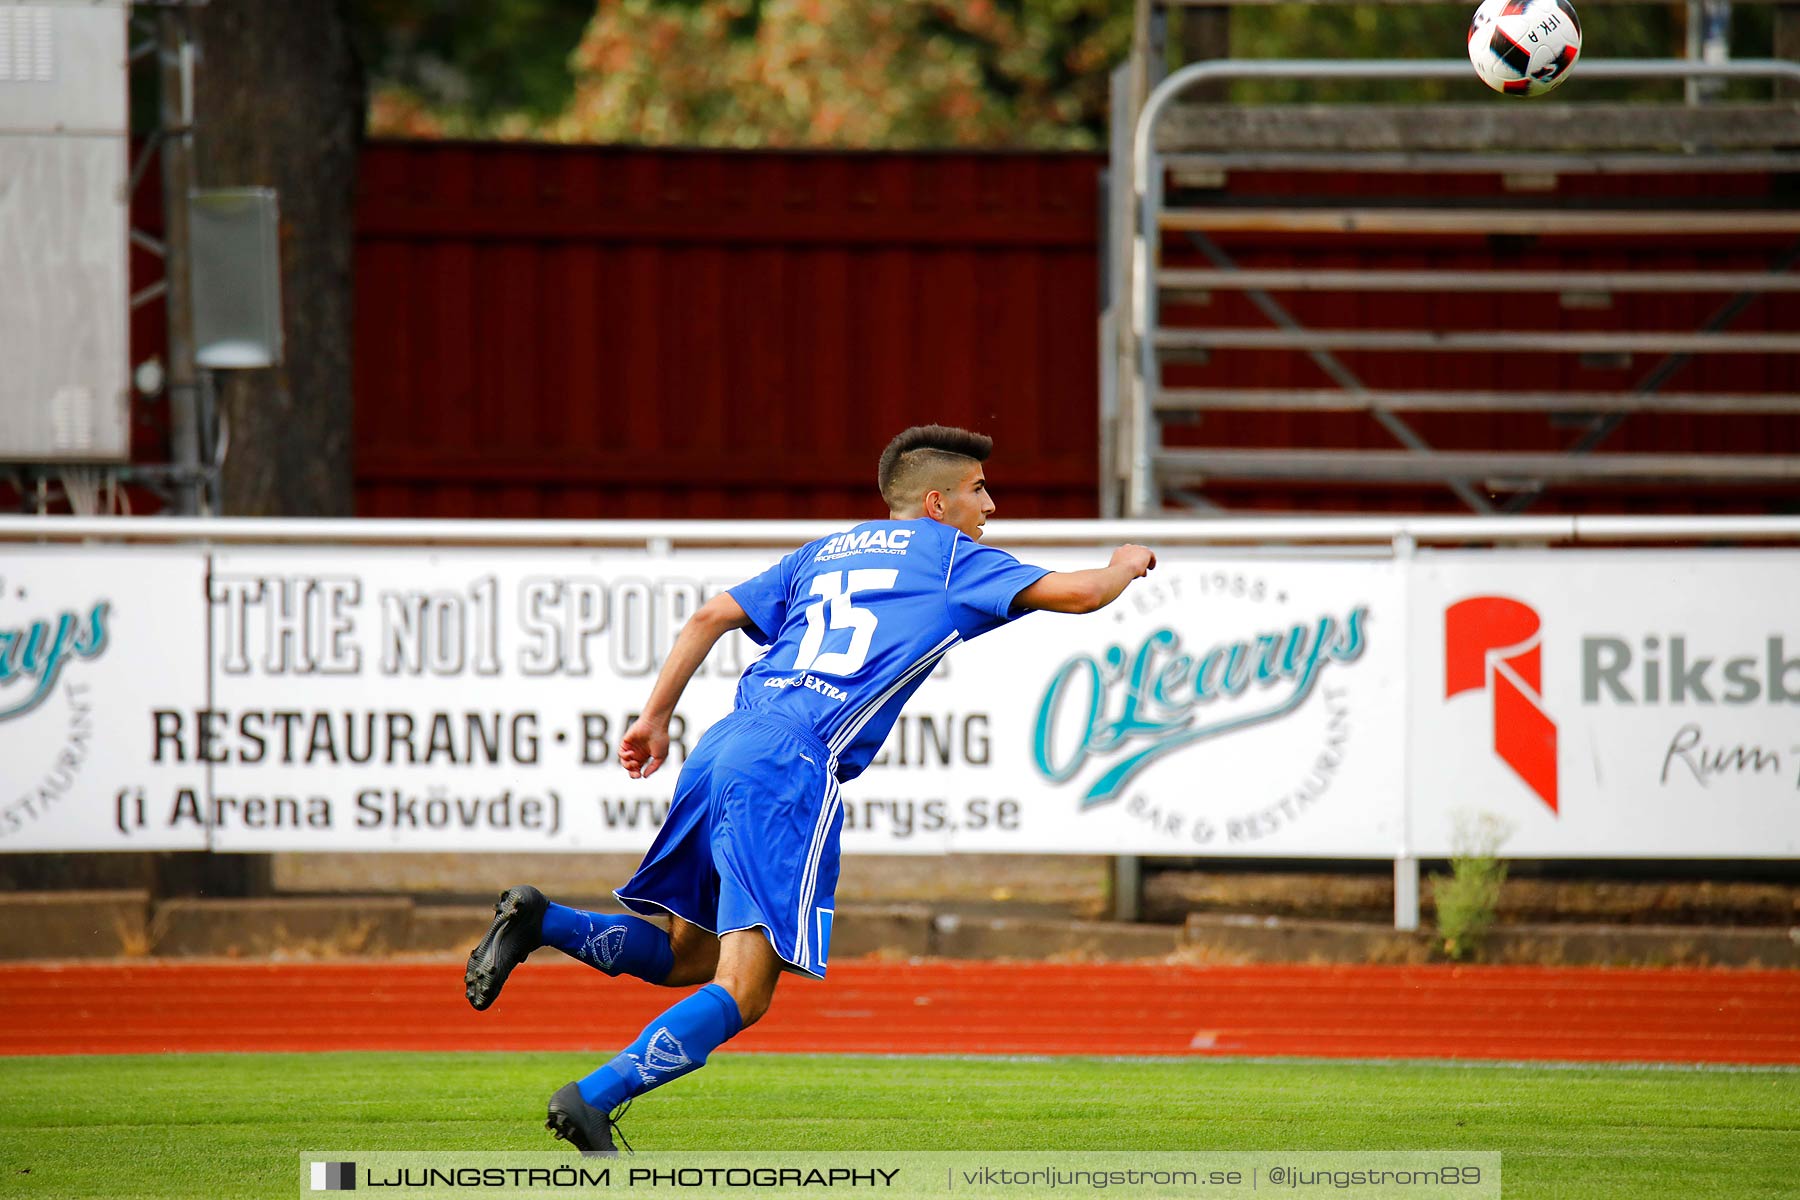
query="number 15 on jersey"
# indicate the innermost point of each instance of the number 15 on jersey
(835, 609)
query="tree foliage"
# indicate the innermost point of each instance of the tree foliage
(816, 73)
(882, 73)
(470, 61)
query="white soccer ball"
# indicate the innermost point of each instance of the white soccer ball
(1524, 47)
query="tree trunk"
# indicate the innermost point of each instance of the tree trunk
(279, 100)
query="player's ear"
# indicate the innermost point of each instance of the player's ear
(934, 504)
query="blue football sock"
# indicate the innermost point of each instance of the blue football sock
(618, 945)
(674, 1044)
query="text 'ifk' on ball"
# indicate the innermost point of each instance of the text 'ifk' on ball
(1524, 47)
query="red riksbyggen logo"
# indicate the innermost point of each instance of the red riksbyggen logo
(1491, 643)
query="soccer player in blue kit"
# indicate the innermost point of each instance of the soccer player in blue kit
(746, 865)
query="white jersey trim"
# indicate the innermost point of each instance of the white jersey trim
(847, 732)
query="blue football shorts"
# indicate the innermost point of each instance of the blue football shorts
(751, 840)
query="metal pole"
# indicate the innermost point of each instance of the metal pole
(1286, 532)
(1116, 350)
(176, 59)
(1139, 63)
(1406, 893)
(1690, 87)
(1143, 499)
(1127, 887)
(1406, 864)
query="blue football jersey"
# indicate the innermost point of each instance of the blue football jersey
(854, 623)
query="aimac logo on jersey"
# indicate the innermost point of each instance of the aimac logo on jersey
(1493, 644)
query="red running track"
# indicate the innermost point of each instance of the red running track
(1570, 1014)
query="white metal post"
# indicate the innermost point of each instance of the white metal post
(1406, 866)
(1406, 893)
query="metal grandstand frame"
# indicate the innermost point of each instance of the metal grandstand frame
(160, 40)
(1141, 477)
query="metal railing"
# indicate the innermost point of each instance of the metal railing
(1149, 470)
(1240, 531)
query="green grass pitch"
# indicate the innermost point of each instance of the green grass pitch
(231, 1125)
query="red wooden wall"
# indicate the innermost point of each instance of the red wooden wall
(601, 332)
(606, 332)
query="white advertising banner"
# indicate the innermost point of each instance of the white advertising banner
(1607, 704)
(472, 699)
(92, 641)
(453, 699)
(1243, 706)
(1592, 703)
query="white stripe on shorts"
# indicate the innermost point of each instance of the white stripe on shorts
(809, 880)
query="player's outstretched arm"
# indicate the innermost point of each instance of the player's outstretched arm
(646, 743)
(1088, 591)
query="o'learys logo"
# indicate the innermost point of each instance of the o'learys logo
(33, 656)
(1134, 707)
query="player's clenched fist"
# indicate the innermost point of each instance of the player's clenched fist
(1138, 559)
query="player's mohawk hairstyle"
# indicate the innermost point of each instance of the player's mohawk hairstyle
(918, 458)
